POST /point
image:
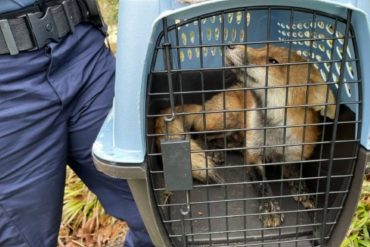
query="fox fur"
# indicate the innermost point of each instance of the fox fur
(234, 101)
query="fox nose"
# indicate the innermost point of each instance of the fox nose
(231, 47)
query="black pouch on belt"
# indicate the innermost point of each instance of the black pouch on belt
(34, 27)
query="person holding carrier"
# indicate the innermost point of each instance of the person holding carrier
(56, 88)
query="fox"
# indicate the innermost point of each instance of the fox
(294, 96)
(277, 114)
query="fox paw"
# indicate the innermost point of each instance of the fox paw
(297, 189)
(271, 217)
(306, 201)
(218, 158)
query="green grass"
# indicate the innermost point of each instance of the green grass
(358, 234)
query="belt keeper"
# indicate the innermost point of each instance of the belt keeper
(8, 37)
(67, 4)
(84, 10)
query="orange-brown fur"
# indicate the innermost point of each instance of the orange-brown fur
(234, 104)
(298, 94)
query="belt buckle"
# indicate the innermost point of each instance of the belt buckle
(42, 27)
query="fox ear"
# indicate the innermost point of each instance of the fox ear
(321, 95)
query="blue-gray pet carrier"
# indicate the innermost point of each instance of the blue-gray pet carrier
(175, 57)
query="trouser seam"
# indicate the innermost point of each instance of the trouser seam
(15, 225)
(48, 79)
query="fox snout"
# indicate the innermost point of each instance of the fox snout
(234, 55)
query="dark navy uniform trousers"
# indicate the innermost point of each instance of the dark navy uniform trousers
(53, 102)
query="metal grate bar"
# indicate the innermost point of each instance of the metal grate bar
(242, 215)
(249, 88)
(224, 119)
(249, 230)
(244, 199)
(256, 8)
(245, 119)
(291, 18)
(335, 127)
(244, 129)
(256, 66)
(260, 42)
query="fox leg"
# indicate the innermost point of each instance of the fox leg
(202, 165)
(298, 187)
(270, 209)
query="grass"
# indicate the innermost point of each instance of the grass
(359, 231)
(84, 222)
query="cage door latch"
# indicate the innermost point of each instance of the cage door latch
(176, 161)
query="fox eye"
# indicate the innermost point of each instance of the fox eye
(273, 60)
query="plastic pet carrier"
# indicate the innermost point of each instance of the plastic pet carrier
(241, 123)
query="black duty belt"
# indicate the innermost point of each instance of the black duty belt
(35, 29)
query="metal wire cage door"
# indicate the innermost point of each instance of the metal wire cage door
(237, 89)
